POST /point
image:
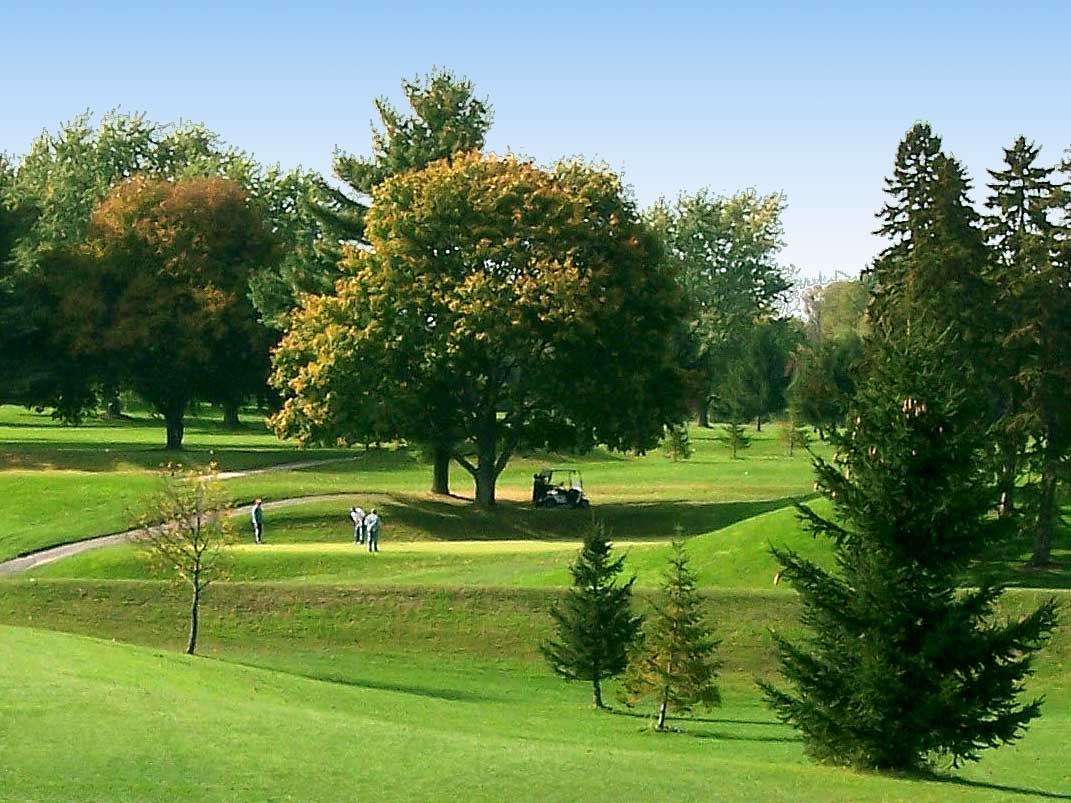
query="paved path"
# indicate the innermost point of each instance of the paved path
(41, 557)
(230, 475)
(51, 554)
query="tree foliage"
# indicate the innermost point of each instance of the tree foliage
(824, 380)
(185, 531)
(445, 118)
(1030, 235)
(836, 310)
(900, 664)
(933, 274)
(594, 622)
(66, 175)
(157, 299)
(500, 305)
(674, 660)
(725, 252)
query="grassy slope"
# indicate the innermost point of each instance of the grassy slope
(209, 730)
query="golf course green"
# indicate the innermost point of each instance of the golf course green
(328, 673)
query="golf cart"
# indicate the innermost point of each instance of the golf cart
(558, 487)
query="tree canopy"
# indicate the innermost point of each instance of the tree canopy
(446, 118)
(157, 298)
(724, 251)
(503, 303)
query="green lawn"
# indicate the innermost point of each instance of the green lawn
(327, 673)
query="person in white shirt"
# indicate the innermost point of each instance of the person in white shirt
(357, 515)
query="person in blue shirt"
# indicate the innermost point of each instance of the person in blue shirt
(371, 529)
(258, 522)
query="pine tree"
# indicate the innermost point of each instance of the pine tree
(1033, 272)
(933, 273)
(594, 622)
(674, 661)
(900, 663)
(446, 118)
(735, 437)
(677, 445)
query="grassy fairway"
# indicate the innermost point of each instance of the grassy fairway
(330, 674)
(62, 484)
(447, 729)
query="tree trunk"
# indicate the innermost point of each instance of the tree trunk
(1046, 515)
(485, 484)
(192, 644)
(113, 409)
(662, 713)
(596, 694)
(230, 416)
(1009, 471)
(758, 423)
(486, 475)
(704, 414)
(440, 476)
(176, 426)
(175, 429)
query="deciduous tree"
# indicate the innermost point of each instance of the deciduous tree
(725, 252)
(184, 533)
(501, 304)
(158, 297)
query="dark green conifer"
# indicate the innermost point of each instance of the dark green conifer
(594, 622)
(900, 664)
(1033, 275)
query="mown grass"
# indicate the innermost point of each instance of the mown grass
(61, 484)
(344, 695)
(330, 674)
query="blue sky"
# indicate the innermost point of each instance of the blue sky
(809, 99)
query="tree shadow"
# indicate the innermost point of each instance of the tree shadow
(1014, 790)
(449, 695)
(454, 520)
(707, 733)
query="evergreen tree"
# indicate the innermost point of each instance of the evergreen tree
(933, 272)
(900, 664)
(676, 444)
(1033, 274)
(594, 622)
(793, 434)
(446, 118)
(674, 661)
(735, 437)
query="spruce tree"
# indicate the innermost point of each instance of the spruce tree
(900, 664)
(735, 437)
(675, 660)
(1033, 272)
(934, 271)
(594, 623)
(446, 118)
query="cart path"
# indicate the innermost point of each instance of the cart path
(252, 472)
(50, 554)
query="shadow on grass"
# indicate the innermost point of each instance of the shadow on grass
(451, 521)
(114, 455)
(996, 787)
(679, 725)
(449, 695)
